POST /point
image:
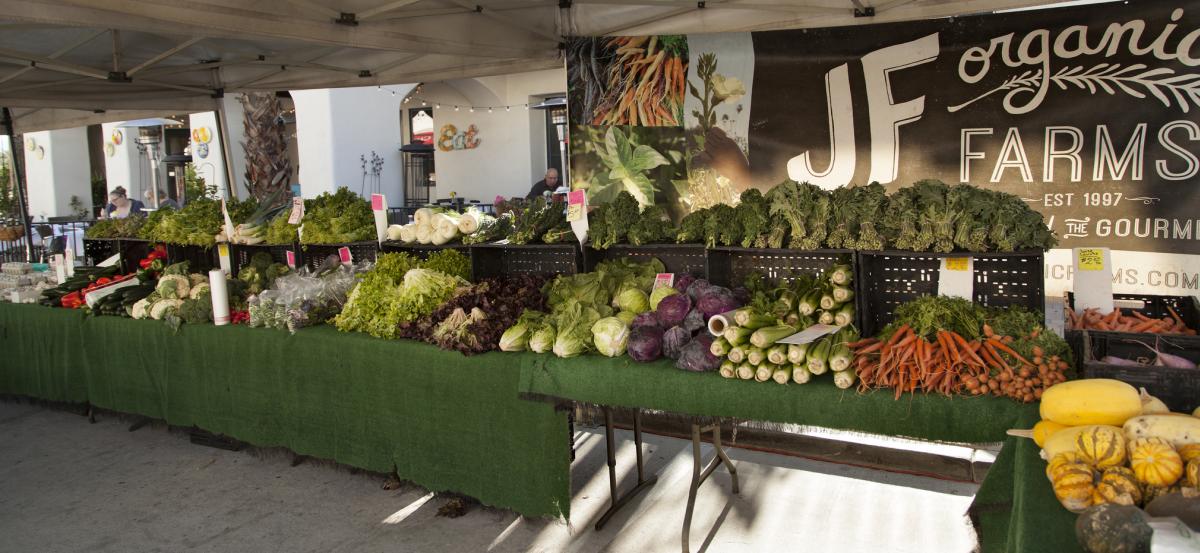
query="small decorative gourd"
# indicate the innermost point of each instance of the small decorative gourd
(1150, 493)
(1187, 452)
(1101, 447)
(1154, 462)
(1060, 462)
(1074, 487)
(1118, 486)
(1193, 473)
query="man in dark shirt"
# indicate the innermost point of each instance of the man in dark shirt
(548, 184)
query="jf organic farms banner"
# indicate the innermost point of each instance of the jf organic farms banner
(1088, 113)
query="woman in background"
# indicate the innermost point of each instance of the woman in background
(120, 206)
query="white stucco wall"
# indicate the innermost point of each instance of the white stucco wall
(125, 167)
(334, 127)
(63, 172)
(212, 167)
(512, 153)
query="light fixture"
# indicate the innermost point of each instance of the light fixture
(455, 108)
(507, 108)
(472, 109)
(438, 106)
(489, 110)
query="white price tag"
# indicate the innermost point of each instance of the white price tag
(116, 258)
(577, 214)
(228, 221)
(956, 277)
(223, 255)
(379, 209)
(810, 334)
(1092, 281)
(663, 280)
(297, 211)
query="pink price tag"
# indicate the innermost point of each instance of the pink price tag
(377, 202)
(297, 211)
(291, 259)
(344, 255)
(664, 280)
(576, 197)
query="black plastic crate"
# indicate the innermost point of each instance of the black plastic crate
(729, 266)
(314, 254)
(1176, 387)
(677, 258)
(241, 254)
(499, 259)
(1151, 306)
(200, 258)
(421, 250)
(888, 279)
(99, 249)
(133, 250)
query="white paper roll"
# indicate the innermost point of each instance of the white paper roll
(718, 323)
(220, 296)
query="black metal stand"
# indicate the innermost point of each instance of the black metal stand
(699, 476)
(619, 500)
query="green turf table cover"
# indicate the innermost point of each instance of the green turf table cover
(1015, 510)
(660, 386)
(442, 420)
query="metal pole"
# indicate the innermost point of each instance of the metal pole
(226, 151)
(153, 172)
(19, 179)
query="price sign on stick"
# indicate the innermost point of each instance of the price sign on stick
(956, 277)
(297, 211)
(291, 259)
(228, 221)
(344, 255)
(1092, 281)
(379, 208)
(223, 255)
(577, 213)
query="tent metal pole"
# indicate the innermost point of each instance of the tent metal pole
(19, 179)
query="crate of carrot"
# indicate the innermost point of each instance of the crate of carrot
(951, 346)
(1156, 315)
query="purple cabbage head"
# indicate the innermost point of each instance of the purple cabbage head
(674, 340)
(716, 300)
(697, 356)
(646, 319)
(673, 309)
(684, 281)
(694, 321)
(697, 287)
(645, 344)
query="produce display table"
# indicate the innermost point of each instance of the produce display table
(1015, 510)
(441, 420)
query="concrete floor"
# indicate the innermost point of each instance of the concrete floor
(67, 486)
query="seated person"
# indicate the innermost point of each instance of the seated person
(120, 206)
(548, 184)
(163, 199)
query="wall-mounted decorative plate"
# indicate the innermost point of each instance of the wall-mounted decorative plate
(110, 150)
(118, 137)
(202, 150)
(30, 144)
(41, 152)
(201, 135)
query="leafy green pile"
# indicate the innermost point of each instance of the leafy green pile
(624, 221)
(576, 302)
(927, 216)
(198, 222)
(337, 218)
(491, 229)
(115, 228)
(150, 225)
(395, 291)
(449, 261)
(536, 219)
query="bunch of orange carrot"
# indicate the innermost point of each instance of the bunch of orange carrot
(646, 85)
(1092, 319)
(950, 364)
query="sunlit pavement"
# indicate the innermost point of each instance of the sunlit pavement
(66, 485)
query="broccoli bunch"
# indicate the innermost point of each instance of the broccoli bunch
(610, 223)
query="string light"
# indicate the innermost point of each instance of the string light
(489, 110)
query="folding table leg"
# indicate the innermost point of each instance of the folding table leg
(619, 500)
(700, 475)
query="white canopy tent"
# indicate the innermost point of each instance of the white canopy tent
(67, 63)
